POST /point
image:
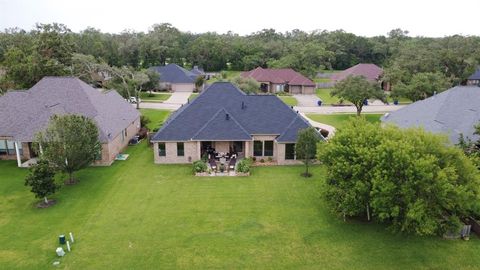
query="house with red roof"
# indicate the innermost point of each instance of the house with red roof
(371, 72)
(281, 80)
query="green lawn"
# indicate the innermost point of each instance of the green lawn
(290, 101)
(338, 120)
(159, 97)
(324, 95)
(230, 74)
(193, 96)
(157, 117)
(138, 215)
(322, 80)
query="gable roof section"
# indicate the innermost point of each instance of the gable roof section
(291, 132)
(205, 115)
(371, 72)
(475, 75)
(23, 114)
(284, 75)
(453, 112)
(173, 73)
(222, 126)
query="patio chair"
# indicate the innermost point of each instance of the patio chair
(232, 163)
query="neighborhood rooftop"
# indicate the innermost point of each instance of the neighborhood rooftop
(371, 72)
(280, 76)
(454, 112)
(24, 113)
(174, 73)
(224, 112)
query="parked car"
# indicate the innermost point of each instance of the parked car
(133, 100)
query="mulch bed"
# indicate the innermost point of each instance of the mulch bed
(46, 205)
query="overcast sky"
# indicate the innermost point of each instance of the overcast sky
(362, 17)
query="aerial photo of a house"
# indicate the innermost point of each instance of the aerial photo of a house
(176, 79)
(225, 121)
(25, 112)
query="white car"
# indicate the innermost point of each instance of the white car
(134, 100)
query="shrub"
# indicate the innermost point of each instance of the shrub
(199, 166)
(144, 121)
(262, 160)
(142, 133)
(243, 166)
(254, 159)
(269, 159)
(282, 93)
(150, 94)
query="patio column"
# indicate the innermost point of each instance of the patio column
(17, 151)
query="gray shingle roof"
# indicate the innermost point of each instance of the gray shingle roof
(204, 118)
(173, 73)
(475, 75)
(452, 112)
(23, 114)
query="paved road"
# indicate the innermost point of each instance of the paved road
(306, 100)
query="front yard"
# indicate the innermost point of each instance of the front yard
(155, 97)
(289, 100)
(338, 120)
(138, 215)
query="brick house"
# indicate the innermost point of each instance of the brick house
(371, 72)
(474, 79)
(24, 113)
(175, 78)
(278, 80)
(227, 120)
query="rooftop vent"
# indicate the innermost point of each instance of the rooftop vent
(243, 106)
(227, 116)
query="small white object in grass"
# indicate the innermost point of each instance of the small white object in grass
(68, 246)
(56, 263)
(60, 252)
(71, 237)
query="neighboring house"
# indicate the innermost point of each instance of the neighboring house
(24, 113)
(452, 112)
(228, 120)
(175, 78)
(474, 79)
(198, 71)
(278, 80)
(371, 72)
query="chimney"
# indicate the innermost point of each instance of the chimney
(227, 116)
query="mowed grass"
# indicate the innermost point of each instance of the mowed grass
(193, 96)
(138, 215)
(290, 101)
(157, 117)
(324, 95)
(338, 120)
(157, 97)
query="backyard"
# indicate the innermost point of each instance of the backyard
(138, 215)
(156, 117)
(338, 120)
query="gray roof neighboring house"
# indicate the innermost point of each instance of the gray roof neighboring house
(224, 112)
(173, 73)
(475, 75)
(24, 113)
(197, 71)
(453, 112)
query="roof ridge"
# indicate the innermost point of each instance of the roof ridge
(208, 122)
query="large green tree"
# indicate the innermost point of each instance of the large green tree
(357, 89)
(306, 147)
(422, 85)
(69, 143)
(409, 179)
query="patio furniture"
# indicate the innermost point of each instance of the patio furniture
(213, 164)
(232, 163)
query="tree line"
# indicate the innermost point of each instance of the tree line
(48, 50)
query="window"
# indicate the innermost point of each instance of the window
(3, 147)
(268, 148)
(290, 151)
(180, 149)
(161, 149)
(238, 147)
(257, 148)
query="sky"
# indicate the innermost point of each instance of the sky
(363, 17)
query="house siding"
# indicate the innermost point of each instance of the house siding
(281, 156)
(191, 153)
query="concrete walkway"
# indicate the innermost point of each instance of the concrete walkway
(330, 129)
(306, 100)
(178, 98)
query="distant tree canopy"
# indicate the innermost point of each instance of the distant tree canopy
(49, 48)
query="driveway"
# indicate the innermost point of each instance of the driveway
(178, 98)
(306, 100)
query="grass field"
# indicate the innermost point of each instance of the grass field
(338, 120)
(324, 95)
(158, 97)
(193, 96)
(290, 101)
(137, 215)
(157, 117)
(230, 74)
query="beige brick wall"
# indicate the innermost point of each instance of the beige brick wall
(115, 146)
(262, 138)
(280, 157)
(191, 150)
